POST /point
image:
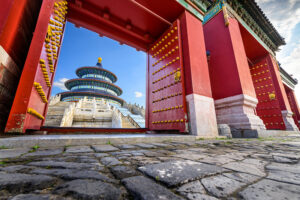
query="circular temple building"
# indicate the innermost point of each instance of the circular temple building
(93, 82)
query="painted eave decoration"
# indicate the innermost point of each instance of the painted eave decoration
(253, 16)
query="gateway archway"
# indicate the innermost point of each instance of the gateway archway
(181, 95)
(148, 26)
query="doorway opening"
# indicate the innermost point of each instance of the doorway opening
(148, 26)
(262, 73)
(97, 92)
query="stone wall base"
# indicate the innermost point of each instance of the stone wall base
(239, 112)
(289, 121)
(224, 130)
(202, 116)
(262, 133)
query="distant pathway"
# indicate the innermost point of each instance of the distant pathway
(205, 169)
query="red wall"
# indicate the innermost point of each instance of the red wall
(229, 69)
(26, 96)
(254, 50)
(17, 32)
(197, 79)
(280, 91)
(4, 12)
(17, 23)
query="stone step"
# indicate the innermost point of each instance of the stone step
(57, 108)
(55, 112)
(91, 120)
(92, 124)
(62, 103)
(56, 124)
(126, 123)
(53, 120)
(49, 116)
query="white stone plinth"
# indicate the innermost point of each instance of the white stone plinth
(289, 121)
(202, 116)
(239, 112)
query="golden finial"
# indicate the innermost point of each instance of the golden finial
(99, 60)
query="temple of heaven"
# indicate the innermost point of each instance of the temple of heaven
(93, 82)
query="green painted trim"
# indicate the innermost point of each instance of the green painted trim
(191, 9)
(218, 7)
(200, 5)
(247, 18)
(287, 79)
(249, 29)
(287, 82)
(213, 12)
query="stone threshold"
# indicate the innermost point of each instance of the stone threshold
(84, 139)
(47, 141)
(262, 133)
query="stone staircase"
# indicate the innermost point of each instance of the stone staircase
(126, 123)
(138, 119)
(55, 114)
(130, 120)
(92, 114)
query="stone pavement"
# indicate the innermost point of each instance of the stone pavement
(204, 169)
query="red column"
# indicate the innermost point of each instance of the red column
(280, 91)
(201, 111)
(281, 95)
(294, 104)
(231, 81)
(296, 109)
(228, 59)
(197, 79)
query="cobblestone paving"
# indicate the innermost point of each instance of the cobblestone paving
(202, 170)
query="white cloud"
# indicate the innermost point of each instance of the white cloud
(285, 16)
(138, 94)
(61, 83)
(292, 63)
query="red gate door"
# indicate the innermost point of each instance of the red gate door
(30, 103)
(268, 108)
(166, 94)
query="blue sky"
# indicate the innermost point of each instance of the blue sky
(285, 16)
(82, 47)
